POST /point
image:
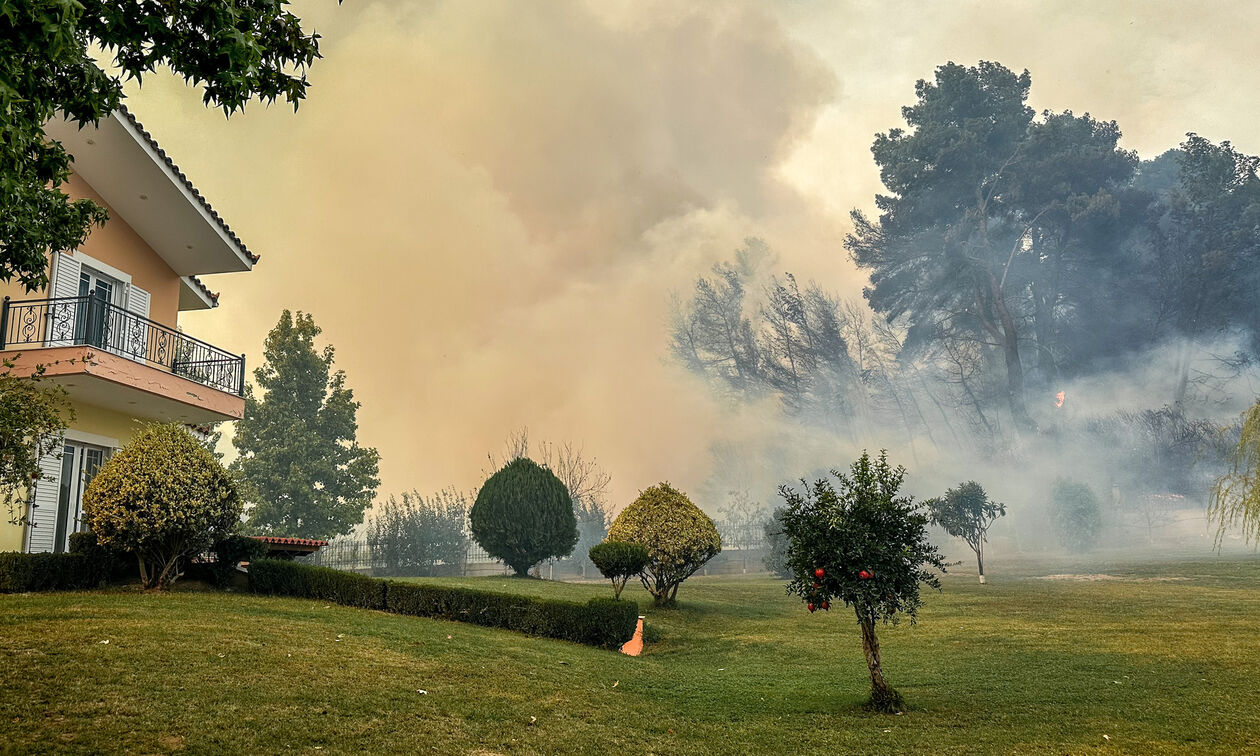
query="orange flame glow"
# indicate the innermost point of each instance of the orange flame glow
(1058, 399)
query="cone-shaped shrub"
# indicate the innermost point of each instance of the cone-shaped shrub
(523, 515)
(678, 536)
(164, 498)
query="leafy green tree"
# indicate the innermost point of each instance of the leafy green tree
(233, 51)
(1076, 514)
(966, 512)
(862, 542)
(305, 472)
(164, 498)
(679, 538)
(618, 561)
(524, 514)
(32, 416)
(412, 534)
(989, 215)
(1236, 494)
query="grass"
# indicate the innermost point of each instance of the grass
(1165, 658)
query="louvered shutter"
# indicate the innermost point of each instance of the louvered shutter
(64, 311)
(136, 341)
(42, 530)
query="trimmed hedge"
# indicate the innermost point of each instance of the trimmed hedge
(601, 622)
(21, 573)
(283, 577)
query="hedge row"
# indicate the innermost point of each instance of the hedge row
(602, 622)
(20, 573)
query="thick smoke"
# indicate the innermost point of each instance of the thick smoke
(488, 205)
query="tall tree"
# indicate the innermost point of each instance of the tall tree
(307, 474)
(232, 50)
(785, 343)
(991, 219)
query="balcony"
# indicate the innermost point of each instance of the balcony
(109, 356)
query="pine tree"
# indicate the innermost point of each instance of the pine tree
(306, 474)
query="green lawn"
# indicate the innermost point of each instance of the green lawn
(1165, 659)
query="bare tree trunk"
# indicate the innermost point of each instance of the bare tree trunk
(883, 697)
(980, 562)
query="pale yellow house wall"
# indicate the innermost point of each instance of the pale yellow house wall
(93, 425)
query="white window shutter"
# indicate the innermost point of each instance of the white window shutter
(136, 342)
(42, 530)
(63, 315)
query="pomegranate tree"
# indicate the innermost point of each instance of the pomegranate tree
(853, 538)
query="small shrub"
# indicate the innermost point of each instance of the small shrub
(231, 551)
(22, 573)
(619, 561)
(523, 514)
(163, 498)
(1077, 518)
(678, 536)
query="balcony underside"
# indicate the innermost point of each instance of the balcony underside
(97, 377)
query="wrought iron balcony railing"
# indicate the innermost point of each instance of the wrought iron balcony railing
(93, 321)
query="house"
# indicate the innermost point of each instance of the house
(107, 327)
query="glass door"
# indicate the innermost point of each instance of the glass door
(92, 325)
(79, 464)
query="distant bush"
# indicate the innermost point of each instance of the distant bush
(231, 551)
(165, 499)
(606, 623)
(678, 536)
(523, 515)
(619, 561)
(776, 542)
(1077, 518)
(412, 534)
(22, 573)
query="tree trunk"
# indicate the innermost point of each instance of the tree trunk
(980, 563)
(1014, 368)
(883, 697)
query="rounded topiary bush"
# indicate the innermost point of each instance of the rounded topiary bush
(165, 499)
(523, 515)
(1076, 514)
(679, 538)
(618, 561)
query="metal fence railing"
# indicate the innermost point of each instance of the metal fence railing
(93, 321)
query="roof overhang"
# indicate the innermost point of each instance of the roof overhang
(122, 163)
(193, 295)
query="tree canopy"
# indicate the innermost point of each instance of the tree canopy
(232, 50)
(306, 474)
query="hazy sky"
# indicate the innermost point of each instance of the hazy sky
(486, 205)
